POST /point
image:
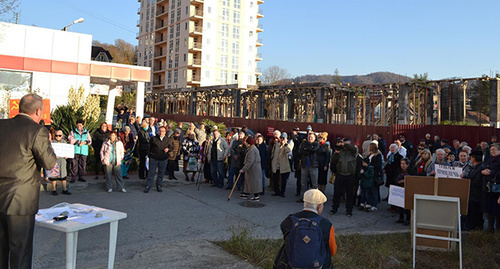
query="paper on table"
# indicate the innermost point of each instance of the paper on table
(50, 213)
(87, 218)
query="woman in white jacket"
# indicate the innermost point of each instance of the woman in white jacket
(112, 153)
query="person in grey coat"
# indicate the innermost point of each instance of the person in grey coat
(24, 148)
(252, 170)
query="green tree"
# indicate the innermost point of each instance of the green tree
(336, 77)
(79, 106)
(127, 99)
(420, 77)
(122, 52)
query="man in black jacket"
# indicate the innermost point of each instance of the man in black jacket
(344, 165)
(143, 139)
(158, 155)
(24, 149)
(474, 220)
(309, 163)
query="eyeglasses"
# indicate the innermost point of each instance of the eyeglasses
(420, 148)
(58, 135)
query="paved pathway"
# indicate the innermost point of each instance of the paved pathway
(172, 229)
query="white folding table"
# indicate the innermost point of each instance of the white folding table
(71, 229)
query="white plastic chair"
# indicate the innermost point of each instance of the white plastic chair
(436, 213)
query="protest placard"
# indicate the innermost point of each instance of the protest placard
(64, 150)
(397, 196)
(448, 171)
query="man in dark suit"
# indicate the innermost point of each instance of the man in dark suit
(24, 149)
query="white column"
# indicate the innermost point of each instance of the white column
(139, 99)
(111, 106)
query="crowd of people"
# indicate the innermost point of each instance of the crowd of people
(236, 160)
(356, 172)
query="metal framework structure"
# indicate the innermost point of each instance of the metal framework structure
(427, 102)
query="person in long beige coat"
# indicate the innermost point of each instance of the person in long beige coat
(280, 165)
(252, 170)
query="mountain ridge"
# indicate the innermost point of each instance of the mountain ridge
(371, 78)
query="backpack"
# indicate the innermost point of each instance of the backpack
(306, 248)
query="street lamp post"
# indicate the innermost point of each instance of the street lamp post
(80, 20)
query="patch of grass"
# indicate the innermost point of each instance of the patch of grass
(480, 250)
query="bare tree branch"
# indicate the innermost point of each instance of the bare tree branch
(8, 10)
(274, 75)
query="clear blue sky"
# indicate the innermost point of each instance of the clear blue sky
(442, 37)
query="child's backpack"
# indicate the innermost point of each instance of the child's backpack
(305, 243)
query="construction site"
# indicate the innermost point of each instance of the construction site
(423, 105)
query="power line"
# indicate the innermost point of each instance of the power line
(95, 15)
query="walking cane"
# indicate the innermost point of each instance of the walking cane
(198, 181)
(234, 186)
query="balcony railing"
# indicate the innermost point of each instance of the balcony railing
(194, 45)
(195, 29)
(158, 82)
(194, 62)
(162, 11)
(159, 54)
(161, 25)
(139, 10)
(198, 13)
(260, 13)
(194, 79)
(160, 39)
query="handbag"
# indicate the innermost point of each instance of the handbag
(332, 178)
(494, 187)
(379, 181)
(192, 165)
(54, 172)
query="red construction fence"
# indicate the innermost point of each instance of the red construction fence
(471, 134)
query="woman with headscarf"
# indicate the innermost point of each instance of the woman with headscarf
(252, 170)
(174, 154)
(100, 136)
(392, 166)
(128, 139)
(190, 149)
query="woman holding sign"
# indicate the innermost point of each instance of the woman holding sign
(61, 164)
(404, 170)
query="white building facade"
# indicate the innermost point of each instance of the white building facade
(145, 35)
(204, 43)
(50, 62)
